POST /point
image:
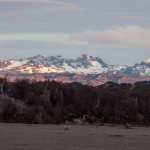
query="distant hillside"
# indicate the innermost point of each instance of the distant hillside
(67, 77)
(142, 82)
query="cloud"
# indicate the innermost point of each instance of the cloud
(140, 1)
(148, 60)
(124, 15)
(37, 7)
(127, 35)
(39, 1)
(55, 38)
(56, 10)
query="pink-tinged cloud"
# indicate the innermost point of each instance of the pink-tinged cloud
(148, 60)
(39, 1)
(48, 7)
(127, 35)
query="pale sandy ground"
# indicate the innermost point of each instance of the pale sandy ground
(54, 137)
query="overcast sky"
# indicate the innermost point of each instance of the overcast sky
(118, 31)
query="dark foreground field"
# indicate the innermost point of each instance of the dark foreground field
(54, 137)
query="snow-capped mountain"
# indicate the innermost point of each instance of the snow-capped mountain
(11, 64)
(142, 68)
(26, 66)
(82, 64)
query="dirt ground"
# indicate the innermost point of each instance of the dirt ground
(79, 137)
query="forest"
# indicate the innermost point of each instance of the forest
(54, 102)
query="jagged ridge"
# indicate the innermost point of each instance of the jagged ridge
(82, 64)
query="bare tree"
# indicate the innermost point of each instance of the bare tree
(2, 85)
(2, 89)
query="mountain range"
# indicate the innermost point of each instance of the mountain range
(83, 64)
(87, 67)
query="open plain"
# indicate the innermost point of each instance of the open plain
(79, 137)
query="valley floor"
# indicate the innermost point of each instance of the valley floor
(79, 137)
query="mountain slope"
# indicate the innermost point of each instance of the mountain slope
(142, 68)
(83, 64)
(24, 66)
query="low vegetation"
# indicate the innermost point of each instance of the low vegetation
(53, 102)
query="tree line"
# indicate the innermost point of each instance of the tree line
(54, 102)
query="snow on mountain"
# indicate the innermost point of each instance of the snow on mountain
(114, 69)
(93, 65)
(53, 61)
(90, 69)
(11, 64)
(83, 64)
(142, 68)
(27, 66)
(34, 67)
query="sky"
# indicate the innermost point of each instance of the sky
(117, 31)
